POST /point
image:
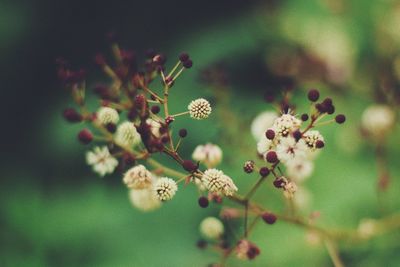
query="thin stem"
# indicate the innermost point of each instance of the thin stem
(174, 69)
(180, 114)
(333, 253)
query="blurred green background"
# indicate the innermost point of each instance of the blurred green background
(55, 212)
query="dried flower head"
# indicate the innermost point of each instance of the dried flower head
(107, 115)
(199, 109)
(144, 199)
(127, 134)
(211, 228)
(209, 154)
(216, 181)
(101, 160)
(138, 177)
(165, 188)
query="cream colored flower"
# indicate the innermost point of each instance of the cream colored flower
(311, 137)
(165, 188)
(264, 145)
(288, 149)
(101, 160)
(144, 199)
(262, 123)
(289, 189)
(299, 169)
(216, 181)
(211, 228)
(286, 124)
(209, 154)
(199, 109)
(377, 120)
(154, 127)
(107, 115)
(127, 135)
(138, 177)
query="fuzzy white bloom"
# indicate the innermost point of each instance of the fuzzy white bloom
(265, 145)
(165, 188)
(302, 198)
(378, 119)
(216, 181)
(209, 154)
(199, 109)
(299, 169)
(289, 189)
(367, 228)
(144, 199)
(288, 149)
(211, 227)
(101, 160)
(311, 137)
(286, 124)
(262, 123)
(107, 115)
(138, 177)
(154, 127)
(127, 135)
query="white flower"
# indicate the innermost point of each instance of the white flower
(265, 145)
(107, 115)
(127, 135)
(311, 138)
(299, 169)
(262, 123)
(211, 228)
(288, 149)
(154, 127)
(216, 181)
(101, 160)
(209, 154)
(165, 188)
(138, 177)
(286, 124)
(144, 199)
(378, 120)
(199, 109)
(289, 189)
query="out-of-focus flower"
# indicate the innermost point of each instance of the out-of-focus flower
(165, 188)
(299, 169)
(245, 250)
(261, 123)
(154, 127)
(288, 150)
(216, 181)
(101, 160)
(209, 154)
(211, 228)
(138, 177)
(199, 109)
(127, 135)
(264, 145)
(289, 189)
(107, 115)
(377, 120)
(367, 228)
(144, 199)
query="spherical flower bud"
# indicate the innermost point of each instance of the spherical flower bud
(144, 199)
(203, 202)
(127, 135)
(209, 154)
(270, 134)
(183, 133)
(264, 171)
(271, 157)
(319, 144)
(199, 109)
(165, 188)
(297, 135)
(340, 118)
(313, 95)
(183, 56)
(72, 115)
(304, 117)
(140, 100)
(245, 250)
(188, 63)
(248, 166)
(377, 120)
(107, 115)
(138, 177)
(155, 109)
(280, 182)
(269, 218)
(101, 160)
(211, 228)
(262, 123)
(85, 136)
(189, 166)
(216, 181)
